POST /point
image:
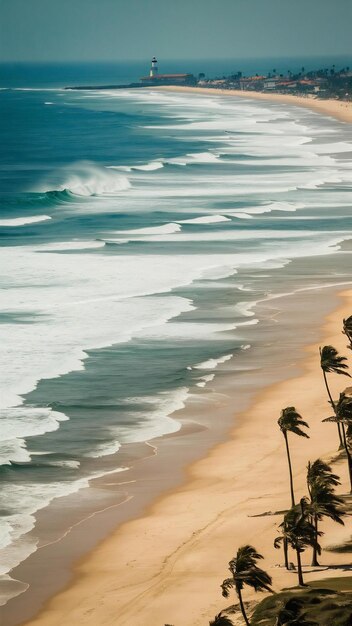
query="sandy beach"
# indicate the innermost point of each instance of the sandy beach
(166, 566)
(336, 108)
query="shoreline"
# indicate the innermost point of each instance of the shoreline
(338, 109)
(143, 574)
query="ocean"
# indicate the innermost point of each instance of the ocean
(142, 234)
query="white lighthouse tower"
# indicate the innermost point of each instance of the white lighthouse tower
(154, 68)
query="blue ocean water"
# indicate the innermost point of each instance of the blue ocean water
(138, 231)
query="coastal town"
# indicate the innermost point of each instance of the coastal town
(324, 83)
(329, 82)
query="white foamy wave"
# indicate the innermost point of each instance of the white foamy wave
(87, 179)
(70, 245)
(22, 221)
(63, 331)
(205, 379)
(164, 229)
(21, 422)
(246, 346)
(149, 167)
(203, 157)
(242, 216)
(14, 450)
(212, 363)
(268, 208)
(206, 219)
(68, 464)
(157, 419)
(161, 234)
(245, 309)
(104, 449)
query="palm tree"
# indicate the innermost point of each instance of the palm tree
(343, 416)
(331, 361)
(347, 328)
(221, 620)
(244, 571)
(297, 529)
(290, 422)
(319, 471)
(323, 501)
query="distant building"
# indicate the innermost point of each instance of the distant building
(270, 83)
(154, 68)
(155, 78)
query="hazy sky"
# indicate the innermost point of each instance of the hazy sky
(63, 30)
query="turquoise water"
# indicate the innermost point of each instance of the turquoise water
(139, 230)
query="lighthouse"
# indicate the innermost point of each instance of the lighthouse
(154, 68)
(154, 78)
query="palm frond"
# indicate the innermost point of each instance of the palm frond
(244, 571)
(278, 541)
(226, 586)
(291, 421)
(332, 361)
(298, 431)
(344, 407)
(324, 503)
(347, 329)
(298, 530)
(221, 620)
(259, 580)
(321, 473)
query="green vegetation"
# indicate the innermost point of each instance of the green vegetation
(319, 606)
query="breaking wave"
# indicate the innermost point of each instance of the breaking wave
(85, 179)
(22, 221)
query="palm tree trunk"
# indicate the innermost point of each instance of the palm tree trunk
(299, 568)
(285, 547)
(349, 459)
(239, 593)
(290, 470)
(315, 553)
(333, 406)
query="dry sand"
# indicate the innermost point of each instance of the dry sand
(335, 108)
(166, 566)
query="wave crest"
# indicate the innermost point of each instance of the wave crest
(85, 179)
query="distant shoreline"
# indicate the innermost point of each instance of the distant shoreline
(338, 109)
